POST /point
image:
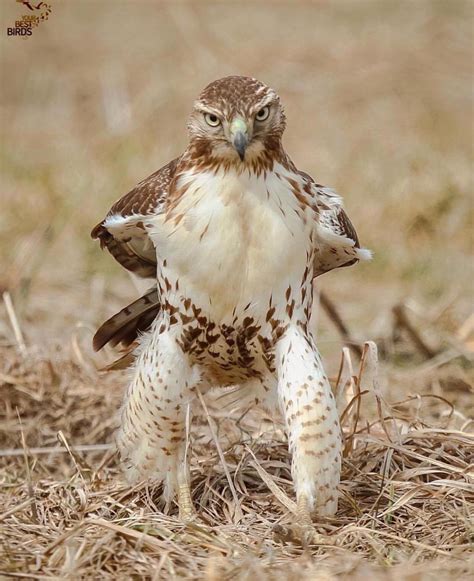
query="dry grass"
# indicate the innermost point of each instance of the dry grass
(379, 100)
(407, 492)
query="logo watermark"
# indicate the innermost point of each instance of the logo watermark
(39, 12)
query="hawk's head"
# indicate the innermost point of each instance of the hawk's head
(237, 120)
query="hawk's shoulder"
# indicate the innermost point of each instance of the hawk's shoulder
(122, 231)
(337, 240)
(147, 197)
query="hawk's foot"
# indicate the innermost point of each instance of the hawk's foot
(302, 531)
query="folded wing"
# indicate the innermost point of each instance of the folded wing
(124, 235)
(122, 231)
(337, 243)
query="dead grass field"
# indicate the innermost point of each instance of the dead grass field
(379, 103)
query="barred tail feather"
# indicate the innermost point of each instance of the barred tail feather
(125, 326)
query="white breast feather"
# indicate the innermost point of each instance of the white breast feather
(239, 240)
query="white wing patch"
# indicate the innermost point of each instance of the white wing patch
(129, 230)
(337, 243)
(328, 238)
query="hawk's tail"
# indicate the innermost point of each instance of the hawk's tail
(124, 327)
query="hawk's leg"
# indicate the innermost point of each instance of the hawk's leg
(152, 435)
(312, 423)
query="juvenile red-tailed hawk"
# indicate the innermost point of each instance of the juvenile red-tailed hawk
(234, 235)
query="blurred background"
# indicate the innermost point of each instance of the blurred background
(378, 96)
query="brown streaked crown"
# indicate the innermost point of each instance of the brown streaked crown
(232, 95)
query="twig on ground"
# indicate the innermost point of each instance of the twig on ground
(238, 510)
(403, 322)
(333, 314)
(7, 299)
(29, 484)
(279, 494)
(11, 452)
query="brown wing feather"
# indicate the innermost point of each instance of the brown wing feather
(346, 226)
(122, 252)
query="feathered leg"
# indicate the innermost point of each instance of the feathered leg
(151, 439)
(312, 423)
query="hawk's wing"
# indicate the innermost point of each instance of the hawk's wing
(122, 231)
(123, 234)
(337, 240)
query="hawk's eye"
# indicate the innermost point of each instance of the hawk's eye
(212, 120)
(262, 114)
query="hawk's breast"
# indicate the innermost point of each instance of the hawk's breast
(233, 240)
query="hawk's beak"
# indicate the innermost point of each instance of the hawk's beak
(239, 136)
